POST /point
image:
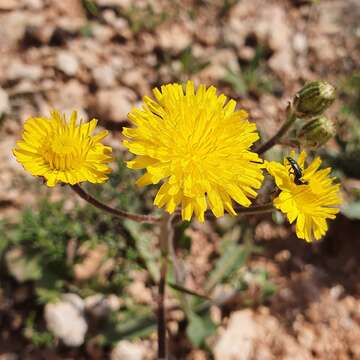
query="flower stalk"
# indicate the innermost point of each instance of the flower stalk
(291, 118)
(150, 219)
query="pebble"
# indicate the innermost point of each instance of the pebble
(65, 319)
(104, 76)
(4, 102)
(67, 63)
(127, 350)
(238, 340)
(114, 105)
(19, 70)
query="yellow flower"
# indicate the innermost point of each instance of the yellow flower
(310, 203)
(63, 152)
(198, 146)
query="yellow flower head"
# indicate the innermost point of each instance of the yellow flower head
(198, 146)
(63, 152)
(313, 200)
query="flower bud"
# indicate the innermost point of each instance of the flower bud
(316, 132)
(314, 98)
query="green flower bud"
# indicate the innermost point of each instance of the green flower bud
(316, 132)
(314, 98)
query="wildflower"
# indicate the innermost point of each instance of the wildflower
(310, 202)
(198, 146)
(63, 152)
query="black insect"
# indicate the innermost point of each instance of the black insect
(296, 170)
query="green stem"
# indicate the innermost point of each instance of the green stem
(281, 132)
(118, 213)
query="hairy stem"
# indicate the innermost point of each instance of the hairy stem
(281, 132)
(119, 213)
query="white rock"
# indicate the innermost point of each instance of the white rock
(67, 63)
(174, 38)
(279, 36)
(127, 350)
(238, 340)
(74, 300)
(65, 319)
(300, 43)
(34, 4)
(102, 33)
(220, 62)
(337, 291)
(121, 3)
(12, 29)
(4, 102)
(19, 70)
(114, 105)
(104, 76)
(282, 63)
(73, 96)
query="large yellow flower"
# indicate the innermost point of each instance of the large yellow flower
(63, 152)
(198, 146)
(310, 203)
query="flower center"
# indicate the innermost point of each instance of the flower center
(63, 145)
(64, 153)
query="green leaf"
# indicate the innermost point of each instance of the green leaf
(199, 328)
(184, 241)
(91, 7)
(45, 295)
(233, 257)
(143, 246)
(190, 63)
(236, 81)
(37, 337)
(267, 288)
(132, 327)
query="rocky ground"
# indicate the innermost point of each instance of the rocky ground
(101, 61)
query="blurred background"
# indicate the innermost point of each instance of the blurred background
(78, 284)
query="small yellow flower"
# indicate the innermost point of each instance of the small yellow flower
(310, 203)
(63, 152)
(198, 146)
